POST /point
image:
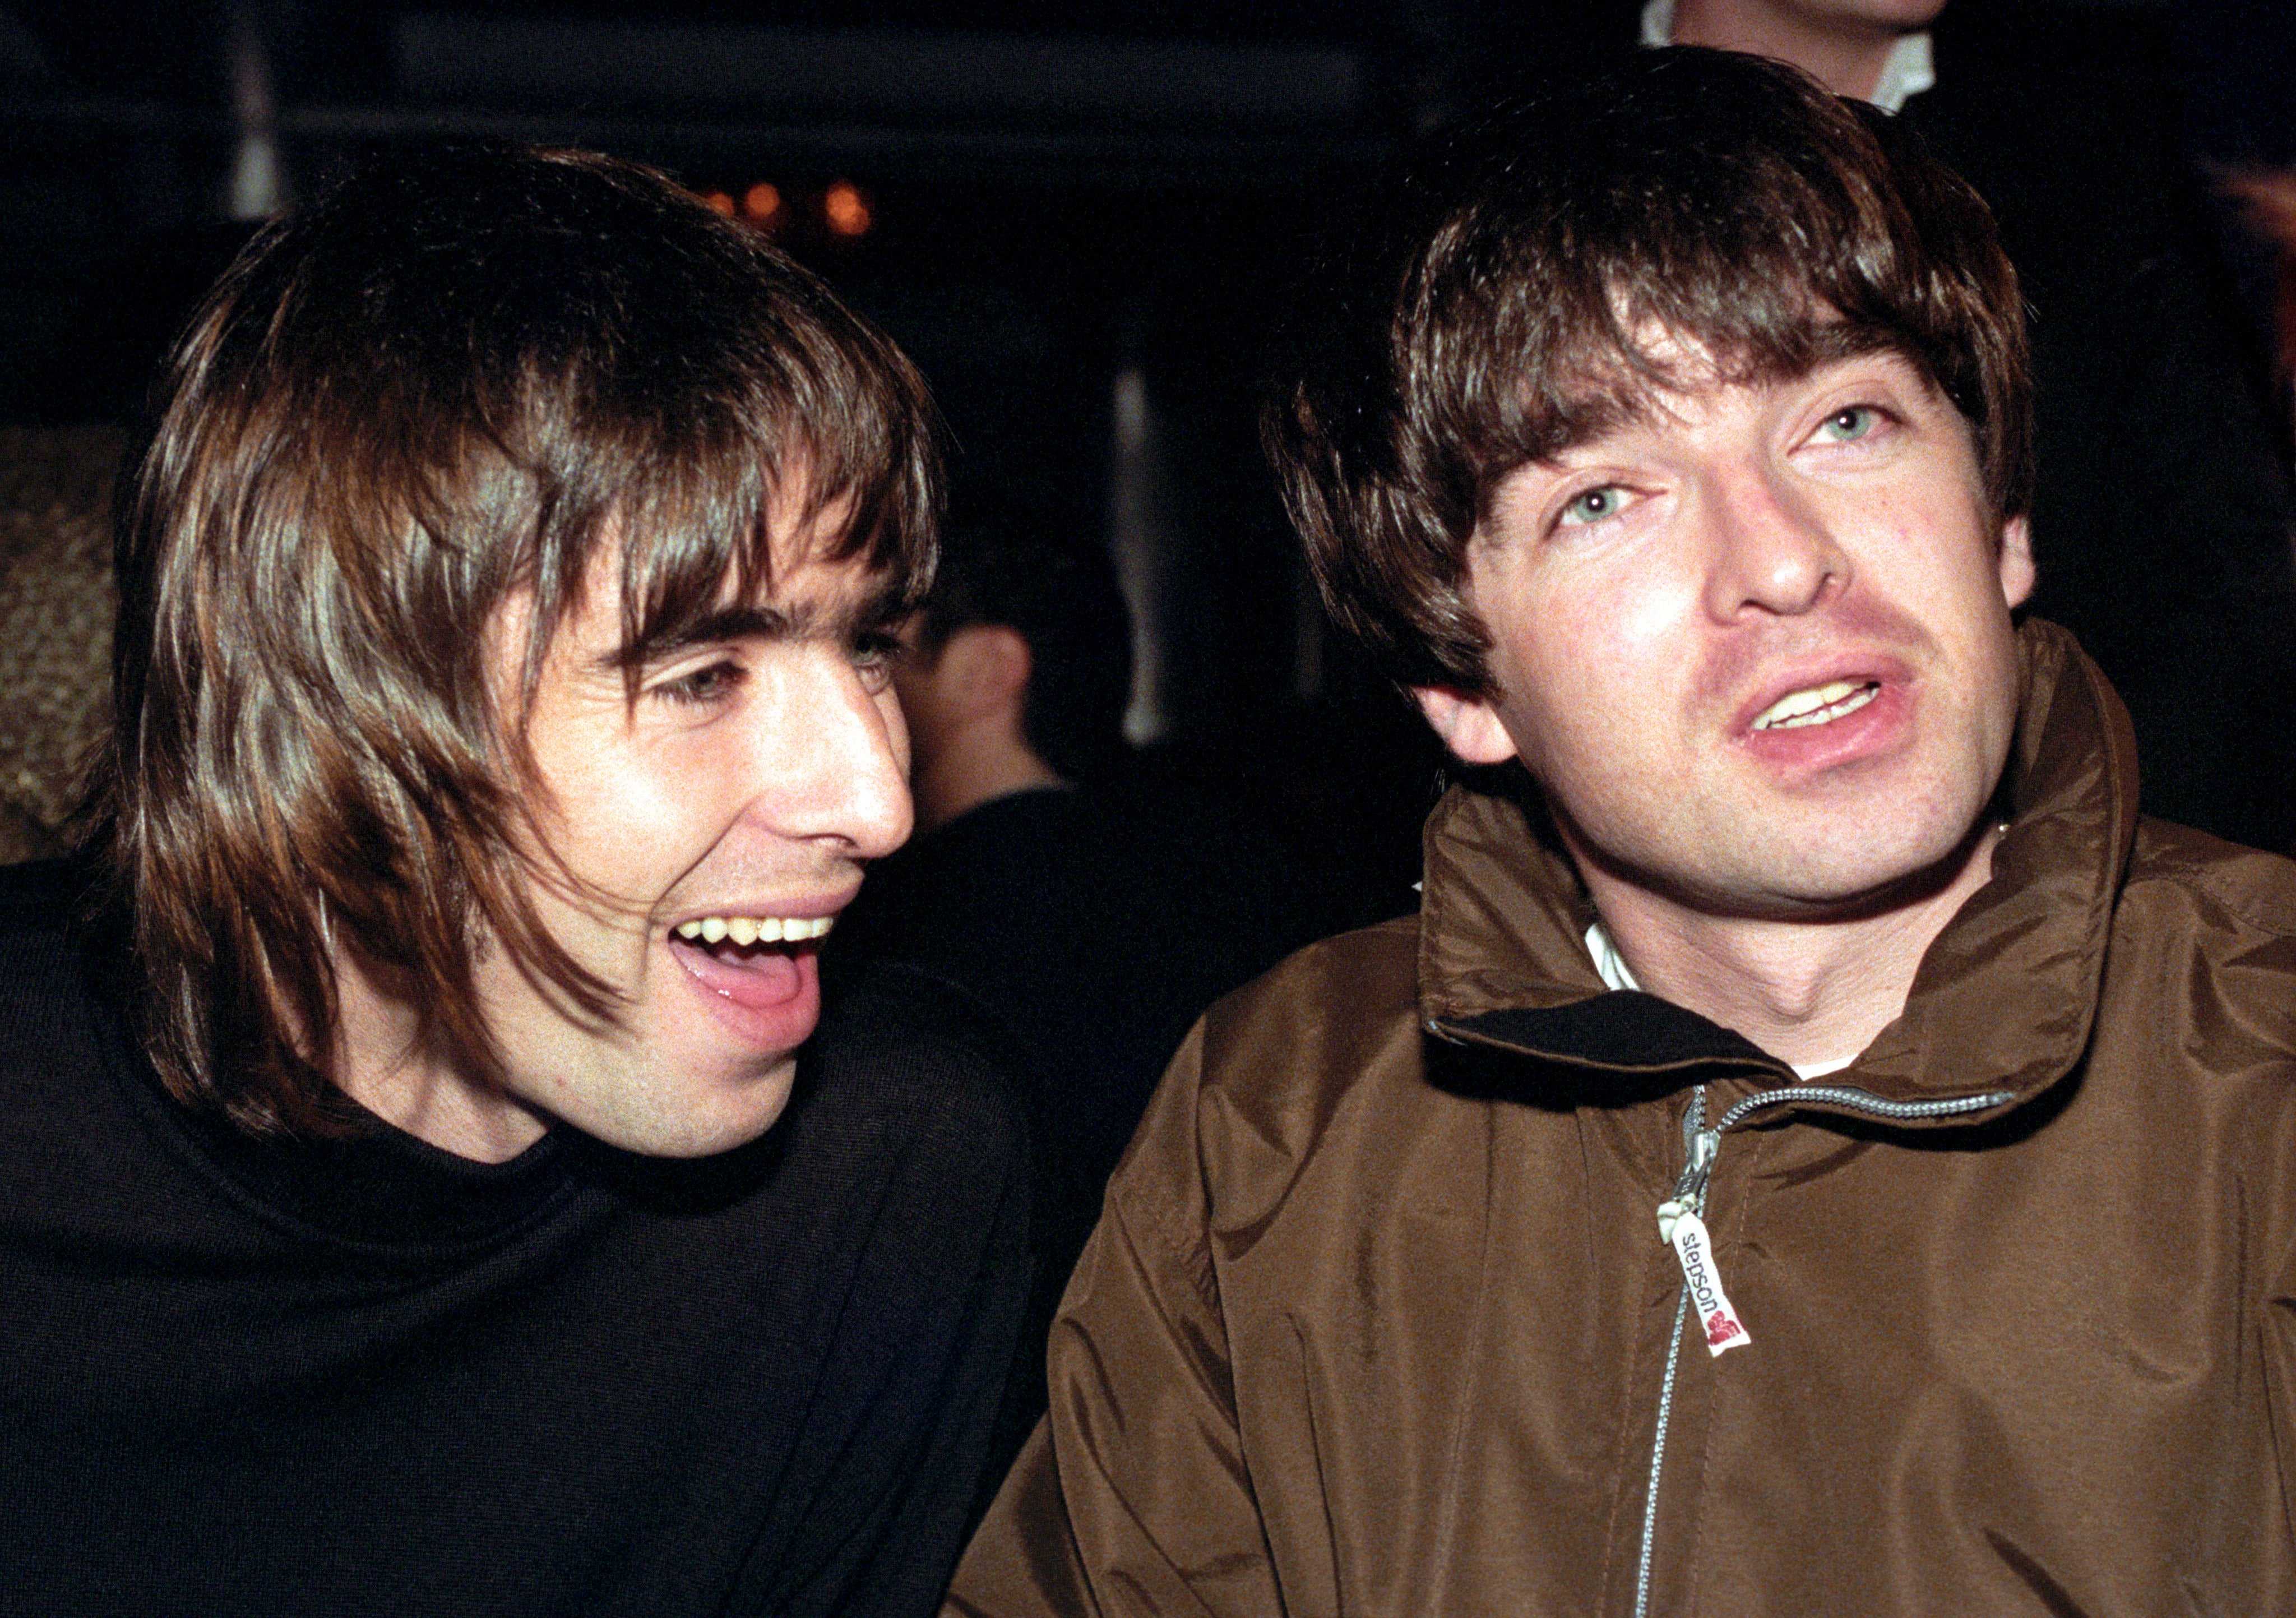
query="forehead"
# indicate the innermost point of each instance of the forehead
(808, 593)
(1666, 376)
(638, 600)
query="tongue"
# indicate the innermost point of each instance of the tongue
(758, 977)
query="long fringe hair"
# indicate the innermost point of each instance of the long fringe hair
(454, 378)
(1497, 312)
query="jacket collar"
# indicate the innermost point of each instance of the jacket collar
(2004, 1000)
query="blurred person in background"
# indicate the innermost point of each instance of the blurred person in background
(2270, 201)
(1087, 912)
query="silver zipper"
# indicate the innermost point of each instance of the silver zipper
(1700, 1147)
(1695, 1136)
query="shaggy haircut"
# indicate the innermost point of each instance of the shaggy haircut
(1494, 320)
(458, 378)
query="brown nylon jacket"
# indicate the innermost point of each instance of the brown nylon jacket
(1377, 1320)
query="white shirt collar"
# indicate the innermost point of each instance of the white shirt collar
(1610, 965)
(1909, 71)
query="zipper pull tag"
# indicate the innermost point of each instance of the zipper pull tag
(1696, 1250)
(1690, 1189)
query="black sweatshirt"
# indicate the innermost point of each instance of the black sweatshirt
(371, 1377)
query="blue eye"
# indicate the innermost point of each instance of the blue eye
(1847, 426)
(874, 653)
(1594, 505)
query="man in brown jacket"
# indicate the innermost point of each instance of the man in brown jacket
(1816, 1150)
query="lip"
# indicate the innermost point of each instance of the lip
(1869, 732)
(1874, 667)
(771, 1009)
(807, 908)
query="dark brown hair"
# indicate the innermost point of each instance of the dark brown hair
(460, 376)
(1492, 318)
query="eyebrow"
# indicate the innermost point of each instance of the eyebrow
(1603, 410)
(766, 621)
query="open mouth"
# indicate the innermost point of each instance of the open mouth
(755, 961)
(1817, 704)
(710, 932)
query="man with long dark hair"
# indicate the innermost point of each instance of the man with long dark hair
(389, 1221)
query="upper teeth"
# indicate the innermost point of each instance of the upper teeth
(755, 929)
(1812, 706)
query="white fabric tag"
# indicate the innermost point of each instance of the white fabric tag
(1716, 1317)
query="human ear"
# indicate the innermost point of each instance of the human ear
(2016, 560)
(985, 668)
(1469, 725)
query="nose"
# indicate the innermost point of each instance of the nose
(833, 763)
(1773, 551)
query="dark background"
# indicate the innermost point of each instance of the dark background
(1083, 223)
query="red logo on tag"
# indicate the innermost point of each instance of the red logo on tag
(1723, 1329)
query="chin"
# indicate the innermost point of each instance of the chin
(1912, 871)
(681, 1123)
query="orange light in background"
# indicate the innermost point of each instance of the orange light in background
(761, 204)
(720, 201)
(845, 209)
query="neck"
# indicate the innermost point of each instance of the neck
(383, 1063)
(1807, 992)
(972, 770)
(1846, 56)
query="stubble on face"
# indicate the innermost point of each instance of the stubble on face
(746, 776)
(1628, 688)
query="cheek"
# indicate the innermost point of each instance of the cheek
(617, 818)
(1580, 650)
(1607, 678)
(2003, 692)
(636, 816)
(1583, 644)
